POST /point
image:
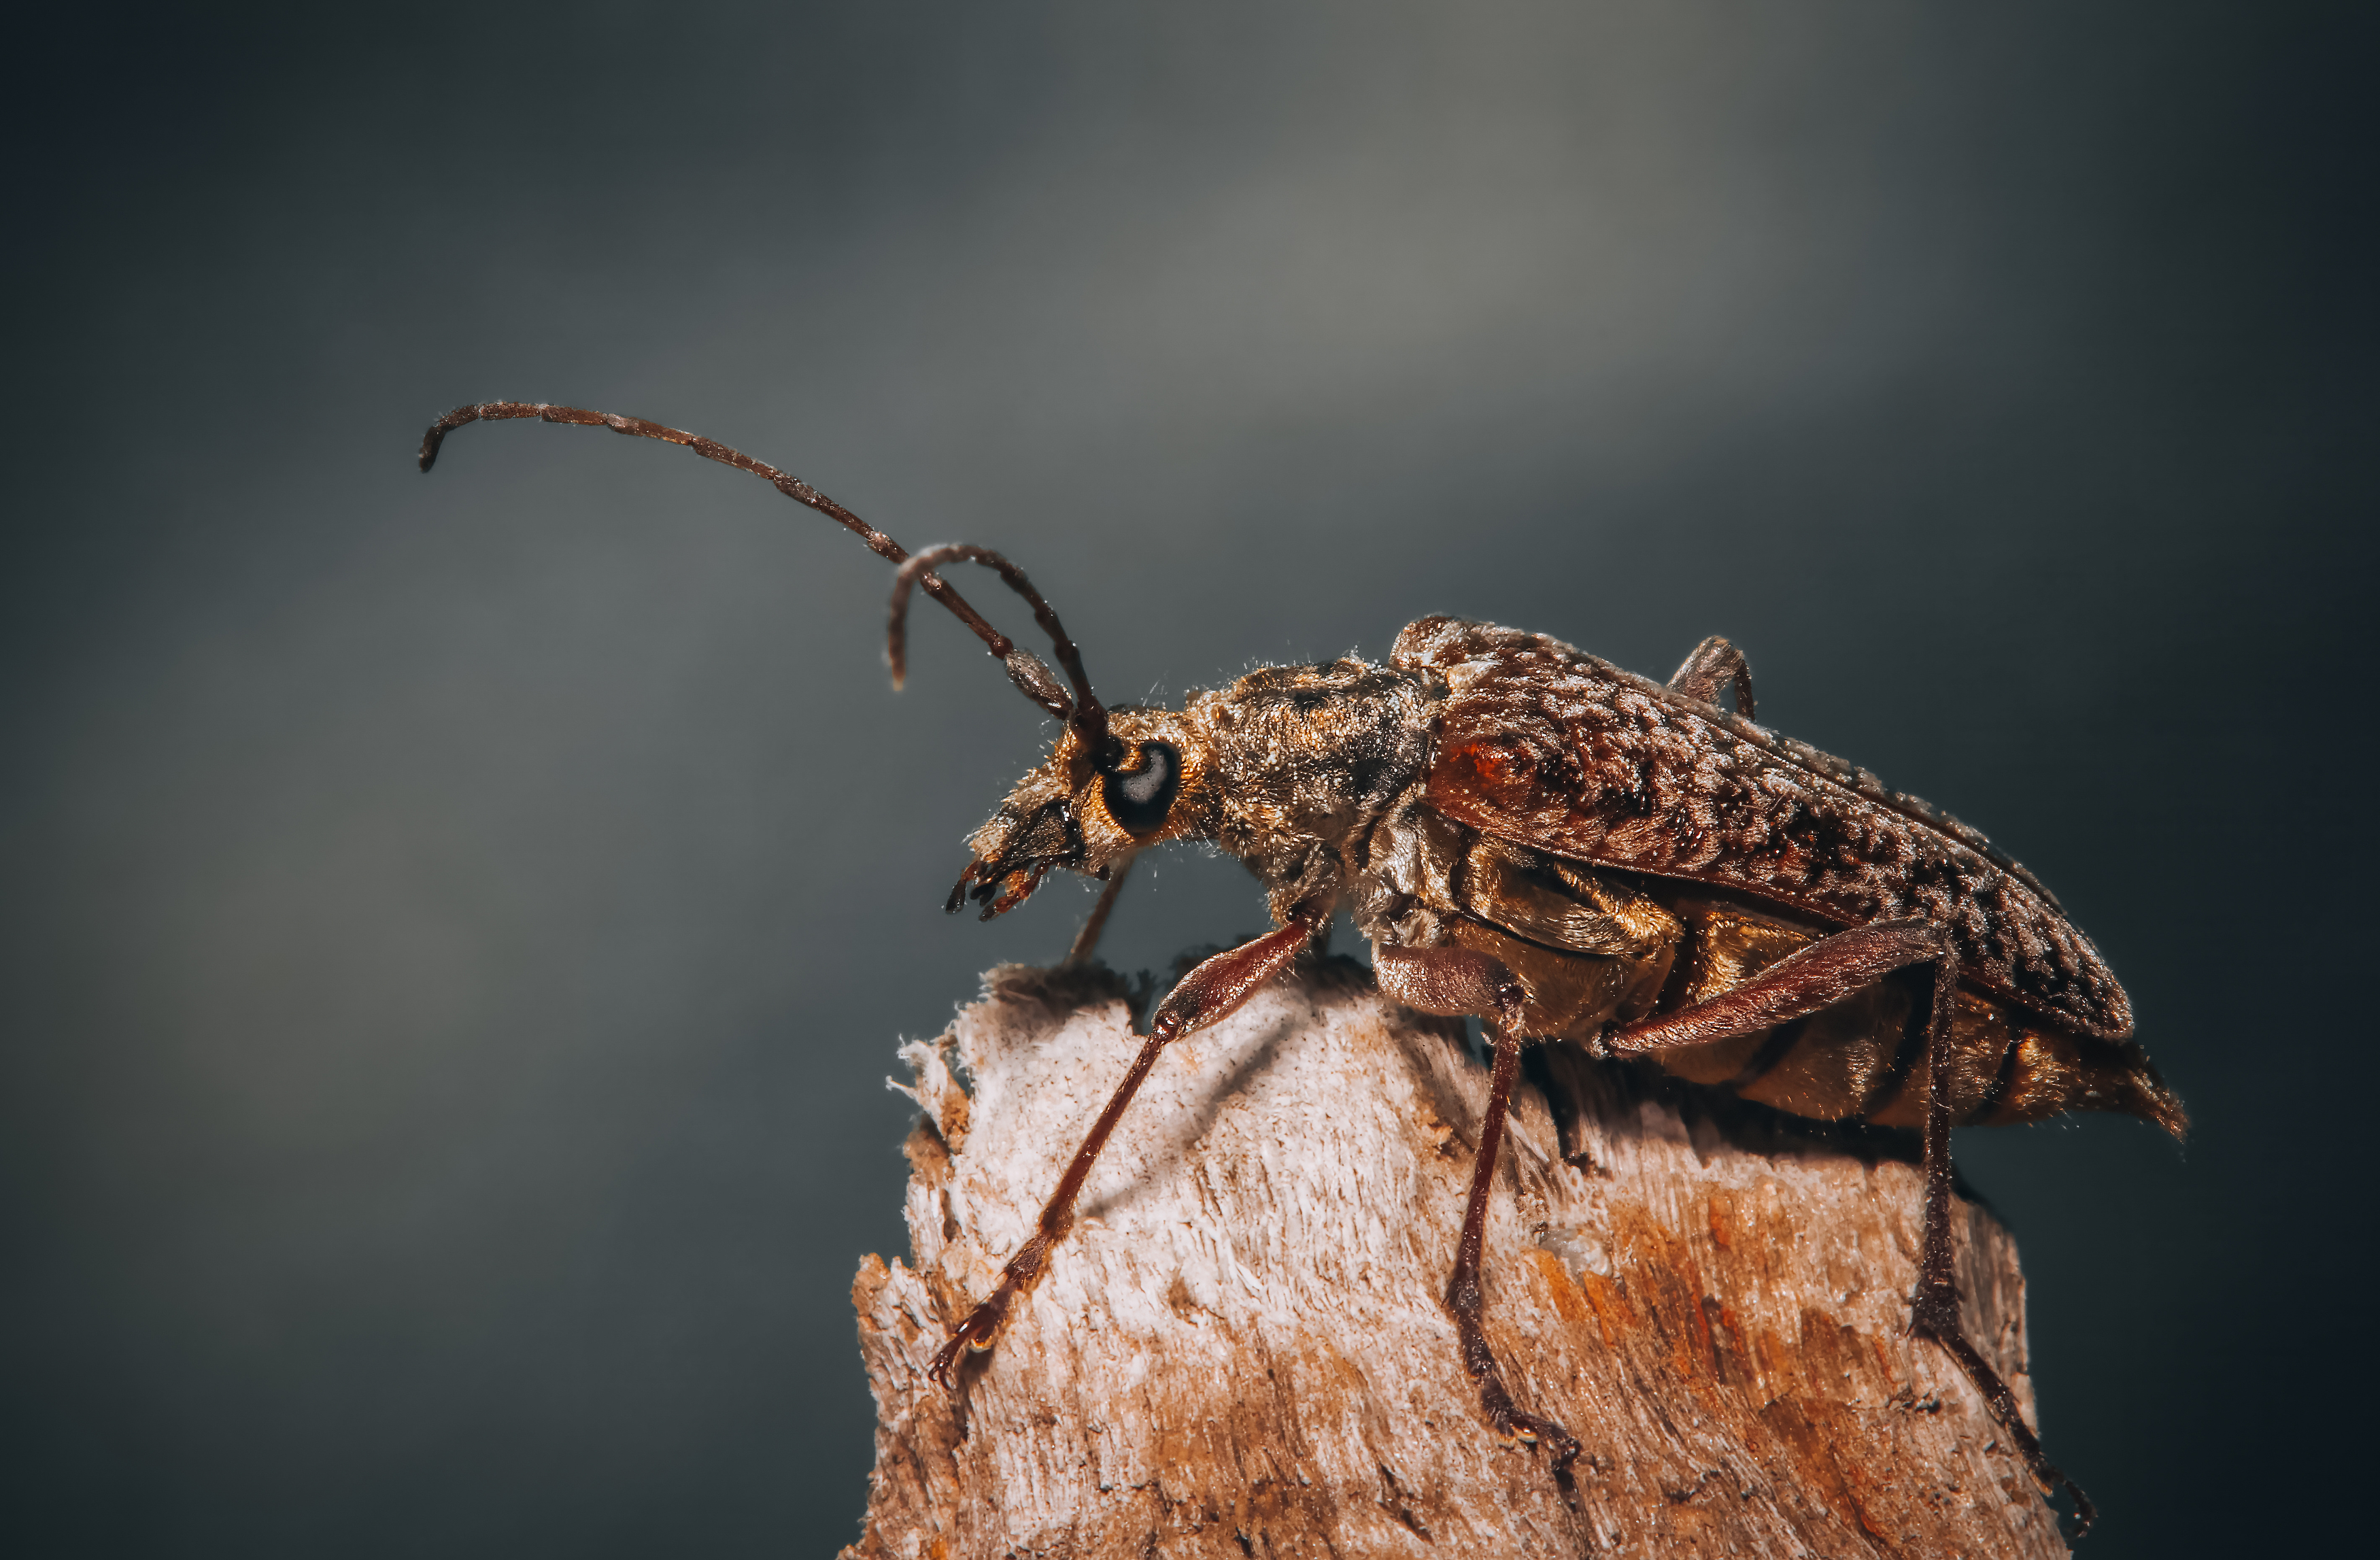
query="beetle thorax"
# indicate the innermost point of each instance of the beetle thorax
(1309, 759)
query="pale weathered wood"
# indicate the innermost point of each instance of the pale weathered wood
(1240, 1350)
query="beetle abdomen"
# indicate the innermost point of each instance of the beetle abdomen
(1865, 1058)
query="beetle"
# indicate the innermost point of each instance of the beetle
(1573, 855)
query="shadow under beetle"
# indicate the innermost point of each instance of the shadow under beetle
(1569, 853)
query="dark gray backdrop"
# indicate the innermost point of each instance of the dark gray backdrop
(456, 928)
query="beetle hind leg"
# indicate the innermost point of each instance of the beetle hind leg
(1933, 1307)
(1814, 978)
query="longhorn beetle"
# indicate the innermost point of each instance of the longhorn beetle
(1571, 854)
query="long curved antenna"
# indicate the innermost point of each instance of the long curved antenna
(1086, 715)
(1040, 690)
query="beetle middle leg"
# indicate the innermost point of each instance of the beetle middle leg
(1816, 977)
(1465, 1299)
(1455, 981)
(1211, 993)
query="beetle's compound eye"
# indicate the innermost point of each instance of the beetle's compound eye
(1138, 797)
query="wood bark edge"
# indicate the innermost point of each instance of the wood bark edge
(1240, 1350)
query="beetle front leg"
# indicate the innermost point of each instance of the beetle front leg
(1211, 993)
(1816, 977)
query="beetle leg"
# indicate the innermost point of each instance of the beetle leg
(1465, 1298)
(1715, 663)
(1086, 941)
(1211, 992)
(1934, 1309)
(1816, 977)
(1454, 982)
(1460, 980)
(1803, 981)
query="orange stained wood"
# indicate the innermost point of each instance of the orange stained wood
(1603, 1294)
(1722, 1214)
(1567, 1303)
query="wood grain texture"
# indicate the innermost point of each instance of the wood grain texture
(1240, 1350)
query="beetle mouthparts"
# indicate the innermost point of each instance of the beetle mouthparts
(997, 891)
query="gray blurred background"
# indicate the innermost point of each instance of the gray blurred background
(456, 928)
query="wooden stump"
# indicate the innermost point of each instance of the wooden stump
(1240, 1350)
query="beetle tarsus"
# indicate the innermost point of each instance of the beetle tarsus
(976, 1333)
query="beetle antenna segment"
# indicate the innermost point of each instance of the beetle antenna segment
(1083, 713)
(800, 491)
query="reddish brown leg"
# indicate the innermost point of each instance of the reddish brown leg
(1934, 1309)
(1713, 665)
(1086, 941)
(1801, 982)
(1465, 1297)
(1211, 992)
(1816, 977)
(1454, 980)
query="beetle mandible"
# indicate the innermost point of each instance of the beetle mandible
(1572, 854)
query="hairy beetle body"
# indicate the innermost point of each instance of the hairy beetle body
(1625, 852)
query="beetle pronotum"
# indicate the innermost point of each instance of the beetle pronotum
(1571, 854)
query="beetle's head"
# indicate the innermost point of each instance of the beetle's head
(1089, 812)
(1115, 781)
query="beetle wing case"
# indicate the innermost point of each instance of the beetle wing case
(1548, 747)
